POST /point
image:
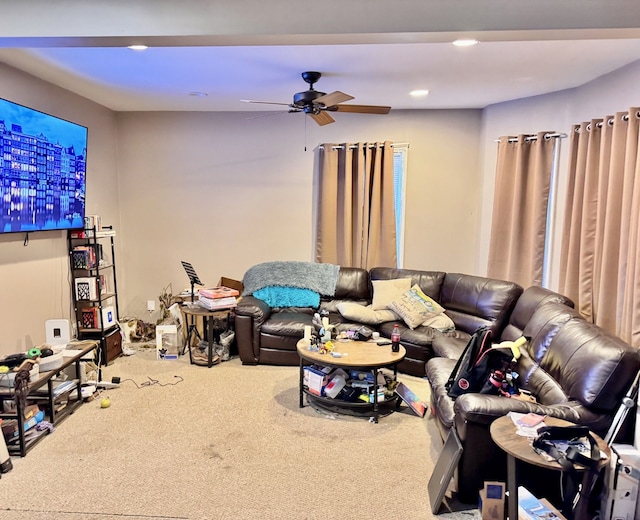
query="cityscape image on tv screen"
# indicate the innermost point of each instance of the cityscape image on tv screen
(42, 170)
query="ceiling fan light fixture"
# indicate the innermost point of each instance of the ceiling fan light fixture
(469, 42)
(138, 47)
(419, 93)
(317, 104)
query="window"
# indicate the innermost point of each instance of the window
(400, 152)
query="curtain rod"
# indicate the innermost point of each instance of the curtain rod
(610, 121)
(533, 138)
(370, 147)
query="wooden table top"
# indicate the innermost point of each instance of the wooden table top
(503, 433)
(364, 354)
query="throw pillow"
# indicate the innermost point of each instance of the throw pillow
(440, 322)
(415, 307)
(386, 291)
(366, 315)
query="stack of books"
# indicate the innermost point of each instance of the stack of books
(218, 298)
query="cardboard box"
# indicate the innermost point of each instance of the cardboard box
(316, 378)
(532, 508)
(233, 284)
(491, 504)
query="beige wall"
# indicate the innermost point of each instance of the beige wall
(35, 277)
(225, 191)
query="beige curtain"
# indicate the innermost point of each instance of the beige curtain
(601, 243)
(355, 221)
(518, 228)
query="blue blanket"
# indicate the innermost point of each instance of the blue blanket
(288, 297)
(320, 278)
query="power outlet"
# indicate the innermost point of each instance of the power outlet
(151, 305)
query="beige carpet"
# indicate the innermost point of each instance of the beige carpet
(186, 442)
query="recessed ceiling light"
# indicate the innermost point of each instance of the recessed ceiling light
(465, 43)
(196, 93)
(419, 93)
(138, 47)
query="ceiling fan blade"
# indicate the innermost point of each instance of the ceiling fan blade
(264, 102)
(363, 109)
(333, 98)
(265, 114)
(322, 118)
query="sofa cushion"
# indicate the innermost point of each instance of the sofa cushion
(415, 307)
(332, 305)
(450, 346)
(386, 291)
(438, 371)
(429, 281)
(286, 323)
(590, 364)
(365, 314)
(473, 301)
(531, 299)
(544, 325)
(352, 284)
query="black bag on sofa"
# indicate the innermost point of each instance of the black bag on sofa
(476, 368)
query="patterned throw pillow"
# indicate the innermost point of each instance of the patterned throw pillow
(415, 307)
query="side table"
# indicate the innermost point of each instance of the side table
(212, 328)
(517, 447)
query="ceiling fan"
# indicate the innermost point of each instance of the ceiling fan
(317, 104)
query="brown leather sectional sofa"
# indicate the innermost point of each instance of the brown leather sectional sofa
(574, 369)
(269, 336)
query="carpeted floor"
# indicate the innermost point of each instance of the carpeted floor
(186, 442)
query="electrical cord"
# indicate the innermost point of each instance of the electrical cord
(153, 382)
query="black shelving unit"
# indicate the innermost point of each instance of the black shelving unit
(95, 289)
(42, 391)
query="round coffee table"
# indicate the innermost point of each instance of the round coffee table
(365, 356)
(503, 433)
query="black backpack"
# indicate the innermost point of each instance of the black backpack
(480, 369)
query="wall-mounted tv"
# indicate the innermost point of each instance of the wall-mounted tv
(43, 164)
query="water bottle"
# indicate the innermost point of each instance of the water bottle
(395, 339)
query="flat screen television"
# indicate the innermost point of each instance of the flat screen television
(42, 170)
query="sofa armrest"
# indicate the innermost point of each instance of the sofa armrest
(484, 409)
(250, 314)
(254, 308)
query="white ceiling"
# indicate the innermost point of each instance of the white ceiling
(378, 68)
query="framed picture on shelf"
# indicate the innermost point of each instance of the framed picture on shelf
(89, 318)
(86, 288)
